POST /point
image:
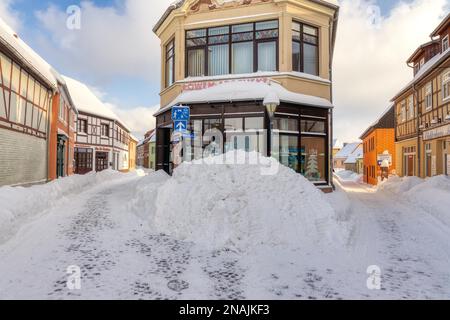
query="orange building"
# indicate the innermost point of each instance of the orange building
(379, 148)
(61, 146)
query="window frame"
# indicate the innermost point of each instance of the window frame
(302, 42)
(79, 126)
(255, 41)
(428, 102)
(445, 40)
(169, 57)
(446, 82)
(410, 103)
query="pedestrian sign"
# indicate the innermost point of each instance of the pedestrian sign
(181, 113)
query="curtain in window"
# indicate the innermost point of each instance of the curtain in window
(196, 63)
(242, 57)
(218, 62)
(267, 56)
(310, 59)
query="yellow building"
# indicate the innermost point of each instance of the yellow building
(248, 66)
(422, 110)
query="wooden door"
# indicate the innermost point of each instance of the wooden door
(101, 161)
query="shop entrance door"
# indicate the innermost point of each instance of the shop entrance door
(101, 161)
(428, 164)
(164, 149)
(409, 165)
(60, 157)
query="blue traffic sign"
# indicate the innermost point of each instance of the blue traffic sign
(180, 126)
(181, 113)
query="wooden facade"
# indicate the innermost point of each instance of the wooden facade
(423, 112)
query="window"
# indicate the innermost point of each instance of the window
(429, 96)
(82, 126)
(286, 125)
(403, 112)
(422, 62)
(170, 63)
(411, 110)
(305, 53)
(232, 49)
(83, 160)
(23, 100)
(445, 44)
(313, 126)
(446, 85)
(313, 158)
(105, 130)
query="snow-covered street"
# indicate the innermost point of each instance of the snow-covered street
(122, 257)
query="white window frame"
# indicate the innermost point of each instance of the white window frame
(429, 97)
(411, 109)
(445, 43)
(445, 81)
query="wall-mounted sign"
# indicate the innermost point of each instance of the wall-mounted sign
(384, 160)
(437, 133)
(200, 85)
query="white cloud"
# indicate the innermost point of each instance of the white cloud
(10, 16)
(139, 119)
(370, 59)
(112, 42)
(369, 67)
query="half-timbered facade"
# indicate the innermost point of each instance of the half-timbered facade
(102, 140)
(422, 111)
(27, 85)
(236, 62)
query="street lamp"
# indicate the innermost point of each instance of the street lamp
(271, 102)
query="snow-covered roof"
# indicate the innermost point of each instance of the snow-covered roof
(27, 55)
(86, 101)
(337, 144)
(133, 137)
(271, 92)
(426, 68)
(347, 150)
(356, 155)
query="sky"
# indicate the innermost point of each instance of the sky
(117, 55)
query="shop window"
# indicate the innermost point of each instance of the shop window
(286, 125)
(288, 152)
(313, 126)
(313, 158)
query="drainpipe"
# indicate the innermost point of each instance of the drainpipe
(419, 153)
(330, 113)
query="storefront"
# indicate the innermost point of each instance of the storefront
(299, 137)
(437, 151)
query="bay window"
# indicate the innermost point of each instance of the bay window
(235, 49)
(305, 50)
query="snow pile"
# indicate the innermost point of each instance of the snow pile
(346, 175)
(237, 206)
(19, 203)
(431, 194)
(396, 184)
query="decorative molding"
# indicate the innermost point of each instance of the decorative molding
(209, 5)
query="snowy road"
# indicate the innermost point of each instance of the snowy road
(121, 258)
(411, 247)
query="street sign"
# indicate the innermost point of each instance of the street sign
(180, 126)
(181, 113)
